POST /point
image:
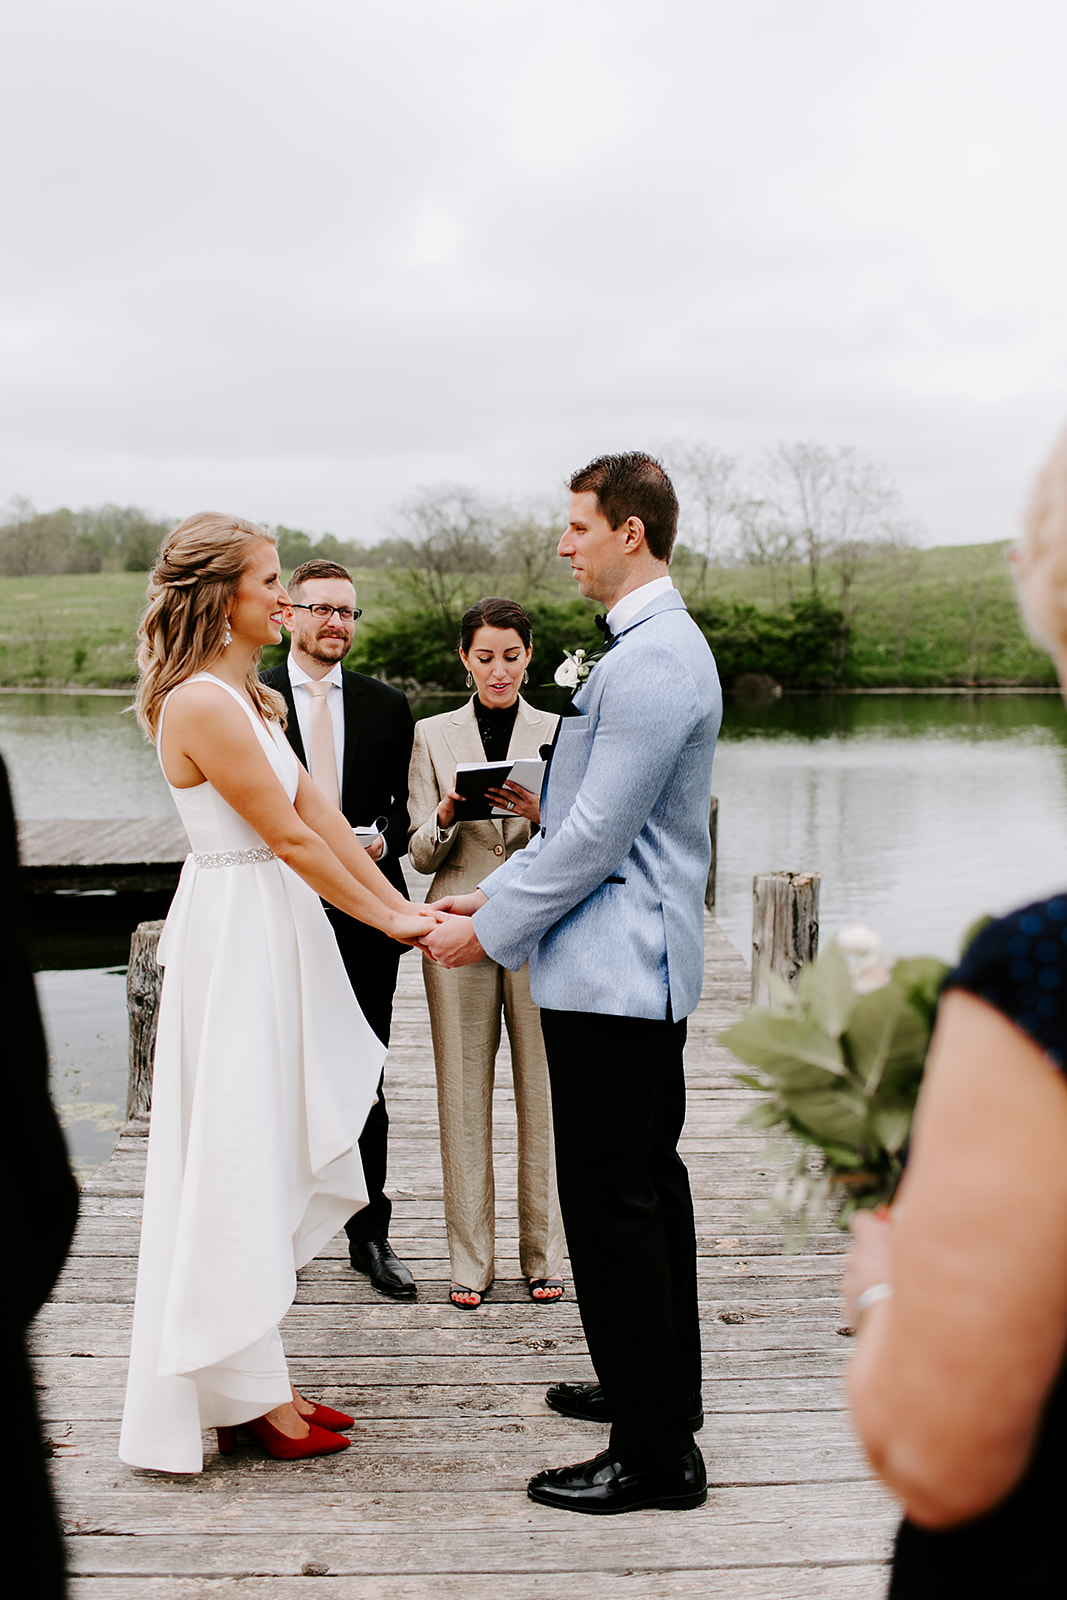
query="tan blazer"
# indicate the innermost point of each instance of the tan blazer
(462, 855)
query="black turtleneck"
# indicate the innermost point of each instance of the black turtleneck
(495, 724)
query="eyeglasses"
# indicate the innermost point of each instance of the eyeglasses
(324, 613)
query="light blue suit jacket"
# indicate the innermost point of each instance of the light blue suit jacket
(627, 798)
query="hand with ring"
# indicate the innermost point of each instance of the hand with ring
(518, 801)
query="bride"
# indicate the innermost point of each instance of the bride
(265, 1067)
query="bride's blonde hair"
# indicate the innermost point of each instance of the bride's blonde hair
(184, 623)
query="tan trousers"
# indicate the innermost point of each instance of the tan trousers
(465, 1008)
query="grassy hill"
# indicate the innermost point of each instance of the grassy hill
(918, 618)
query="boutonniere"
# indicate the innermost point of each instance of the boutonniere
(576, 667)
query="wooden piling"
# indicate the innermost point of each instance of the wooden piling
(713, 828)
(785, 926)
(144, 978)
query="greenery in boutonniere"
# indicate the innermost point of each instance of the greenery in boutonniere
(838, 1063)
(576, 667)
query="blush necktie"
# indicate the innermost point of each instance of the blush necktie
(321, 751)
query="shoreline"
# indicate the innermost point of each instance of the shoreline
(461, 694)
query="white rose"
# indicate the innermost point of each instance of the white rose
(867, 965)
(566, 674)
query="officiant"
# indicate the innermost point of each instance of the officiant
(466, 1004)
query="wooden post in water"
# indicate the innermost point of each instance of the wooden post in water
(144, 979)
(785, 926)
(713, 824)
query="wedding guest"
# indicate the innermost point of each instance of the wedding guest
(496, 645)
(357, 753)
(253, 1159)
(959, 1293)
(40, 1208)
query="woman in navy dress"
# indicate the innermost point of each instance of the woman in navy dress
(959, 1294)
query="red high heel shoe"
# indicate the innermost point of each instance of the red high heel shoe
(323, 1417)
(319, 1441)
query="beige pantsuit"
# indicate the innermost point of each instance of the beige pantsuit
(466, 1004)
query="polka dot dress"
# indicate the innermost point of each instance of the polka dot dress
(1019, 965)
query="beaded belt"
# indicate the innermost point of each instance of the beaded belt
(234, 858)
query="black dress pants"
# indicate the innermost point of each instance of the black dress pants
(371, 961)
(618, 1106)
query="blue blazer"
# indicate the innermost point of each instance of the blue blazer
(607, 904)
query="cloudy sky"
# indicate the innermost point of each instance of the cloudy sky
(297, 258)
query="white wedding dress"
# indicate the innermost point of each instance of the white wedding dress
(265, 1069)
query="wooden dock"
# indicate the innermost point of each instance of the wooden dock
(430, 1503)
(139, 855)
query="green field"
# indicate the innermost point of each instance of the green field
(918, 618)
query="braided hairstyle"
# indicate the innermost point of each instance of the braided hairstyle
(183, 627)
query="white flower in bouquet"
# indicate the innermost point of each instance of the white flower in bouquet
(867, 964)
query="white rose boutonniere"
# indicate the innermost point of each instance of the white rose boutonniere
(575, 668)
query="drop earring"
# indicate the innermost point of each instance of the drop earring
(525, 677)
(470, 681)
(227, 637)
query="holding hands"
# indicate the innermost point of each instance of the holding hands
(453, 942)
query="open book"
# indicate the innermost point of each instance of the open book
(473, 778)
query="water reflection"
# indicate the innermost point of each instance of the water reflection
(920, 811)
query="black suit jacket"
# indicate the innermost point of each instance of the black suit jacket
(379, 730)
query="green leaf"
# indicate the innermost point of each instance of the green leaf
(921, 979)
(765, 1115)
(782, 1044)
(891, 1125)
(781, 992)
(834, 1115)
(886, 1040)
(825, 991)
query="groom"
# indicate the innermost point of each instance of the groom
(607, 905)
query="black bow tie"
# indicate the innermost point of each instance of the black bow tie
(602, 624)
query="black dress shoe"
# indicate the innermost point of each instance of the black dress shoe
(589, 1402)
(605, 1486)
(384, 1268)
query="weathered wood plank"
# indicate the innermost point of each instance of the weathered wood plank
(449, 1406)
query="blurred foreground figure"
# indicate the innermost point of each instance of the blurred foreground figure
(959, 1293)
(40, 1209)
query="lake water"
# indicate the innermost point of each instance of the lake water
(921, 812)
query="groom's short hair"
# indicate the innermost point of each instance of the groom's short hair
(634, 485)
(308, 571)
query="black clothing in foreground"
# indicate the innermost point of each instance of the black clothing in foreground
(1018, 965)
(40, 1207)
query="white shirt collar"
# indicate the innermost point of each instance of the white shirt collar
(298, 677)
(625, 610)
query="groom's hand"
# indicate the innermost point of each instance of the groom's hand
(453, 943)
(460, 905)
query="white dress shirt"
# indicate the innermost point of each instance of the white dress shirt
(625, 610)
(335, 701)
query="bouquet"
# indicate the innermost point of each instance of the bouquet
(838, 1063)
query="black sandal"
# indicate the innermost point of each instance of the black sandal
(465, 1305)
(546, 1283)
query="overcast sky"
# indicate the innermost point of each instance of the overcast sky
(295, 259)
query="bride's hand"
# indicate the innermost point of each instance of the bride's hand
(411, 928)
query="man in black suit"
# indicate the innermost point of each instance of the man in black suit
(363, 766)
